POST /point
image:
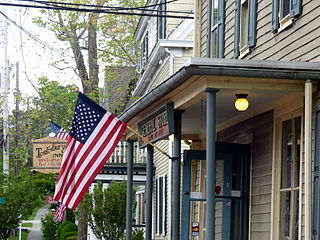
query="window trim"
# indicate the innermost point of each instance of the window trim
(240, 49)
(276, 170)
(161, 184)
(279, 23)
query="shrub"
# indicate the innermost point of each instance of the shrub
(62, 225)
(138, 234)
(72, 238)
(66, 235)
(49, 227)
(70, 227)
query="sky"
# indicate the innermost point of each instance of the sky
(35, 58)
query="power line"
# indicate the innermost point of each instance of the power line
(94, 10)
(33, 36)
(144, 8)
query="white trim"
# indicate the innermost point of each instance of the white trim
(183, 30)
(308, 160)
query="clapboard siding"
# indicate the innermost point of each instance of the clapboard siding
(291, 44)
(261, 130)
(203, 26)
(180, 61)
(161, 75)
(299, 42)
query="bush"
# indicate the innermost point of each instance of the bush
(49, 227)
(66, 235)
(72, 238)
(62, 225)
(138, 234)
(70, 227)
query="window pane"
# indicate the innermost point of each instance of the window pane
(285, 202)
(297, 124)
(214, 13)
(286, 154)
(244, 24)
(285, 8)
(214, 41)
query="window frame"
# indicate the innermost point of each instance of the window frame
(245, 33)
(161, 205)
(216, 29)
(161, 21)
(280, 22)
(144, 50)
(277, 178)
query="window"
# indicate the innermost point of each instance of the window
(245, 27)
(216, 44)
(161, 21)
(161, 205)
(290, 178)
(140, 209)
(283, 13)
(144, 50)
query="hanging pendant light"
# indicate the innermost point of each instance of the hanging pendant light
(241, 103)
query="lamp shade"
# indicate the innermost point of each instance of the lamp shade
(241, 103)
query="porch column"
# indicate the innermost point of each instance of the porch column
(129, 190)
(211, 163)
(149, 185)
(176, 176)
(307, 159)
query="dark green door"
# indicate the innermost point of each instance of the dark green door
(232, 191)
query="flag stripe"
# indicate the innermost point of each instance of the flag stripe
(83, 153)
(92, 172)
(69, 168)
(92, 155)
(93, 136)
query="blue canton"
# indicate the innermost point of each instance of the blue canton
(86, 117)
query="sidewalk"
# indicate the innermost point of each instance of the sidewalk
(35, 233)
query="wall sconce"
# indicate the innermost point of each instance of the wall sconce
(241, 103)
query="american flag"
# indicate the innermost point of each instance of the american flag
(59, 213)
(59, 131)
(93, 136)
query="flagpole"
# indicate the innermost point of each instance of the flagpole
(152, 144)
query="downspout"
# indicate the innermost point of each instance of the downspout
(308, 159)
(171, 61)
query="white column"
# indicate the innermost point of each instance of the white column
(307, 159)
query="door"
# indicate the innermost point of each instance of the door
(232, 192)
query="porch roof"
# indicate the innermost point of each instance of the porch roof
(225, 67)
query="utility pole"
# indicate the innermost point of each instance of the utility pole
(6, 83)
(17, 115)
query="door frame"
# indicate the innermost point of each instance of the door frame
(223, 151)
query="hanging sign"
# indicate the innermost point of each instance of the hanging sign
(47, 154)
(157, 125)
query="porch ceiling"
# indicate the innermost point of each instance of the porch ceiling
(263, 81)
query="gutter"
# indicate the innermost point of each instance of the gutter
(225, 67)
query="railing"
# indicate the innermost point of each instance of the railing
(119, 155)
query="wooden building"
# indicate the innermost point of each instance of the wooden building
(250, 174)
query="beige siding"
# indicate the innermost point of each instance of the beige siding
(299, 42)
(260, 129)
(203, 26)
(161, 75)
(229, 29)
(181, 5)
(180, 61)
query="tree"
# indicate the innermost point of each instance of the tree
(107, 210)
(92, 36)
(21, 196)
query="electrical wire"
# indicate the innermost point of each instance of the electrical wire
(94, 10)
(145, 8)
(33, 36)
